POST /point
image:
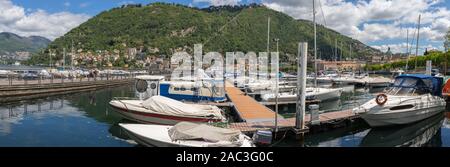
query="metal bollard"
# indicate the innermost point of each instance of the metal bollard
(314, 108)
(10, 80)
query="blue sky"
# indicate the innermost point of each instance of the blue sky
(379, 23)
(92, 7)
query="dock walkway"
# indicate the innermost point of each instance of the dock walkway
(257, 116)
(289, 123)
(248, 108)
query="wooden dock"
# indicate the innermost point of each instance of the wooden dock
(248, 109)
(256, 116)
(289, 123)
(31, 91)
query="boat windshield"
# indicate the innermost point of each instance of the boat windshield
(408, 87)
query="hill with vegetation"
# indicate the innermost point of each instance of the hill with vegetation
(439, 60)
(160, 29)
(11, 43)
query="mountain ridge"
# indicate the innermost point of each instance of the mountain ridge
(167, 28)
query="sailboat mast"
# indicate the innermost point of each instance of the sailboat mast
(417, 41)
(315, 44)
(407, 49)
(268, 35)
(64, 58)
(335, 49)
(72, 54)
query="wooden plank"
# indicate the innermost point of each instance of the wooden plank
(289, 123)
(247, 107)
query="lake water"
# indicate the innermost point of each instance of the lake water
(84, 119)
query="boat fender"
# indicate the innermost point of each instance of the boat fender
(381, 99)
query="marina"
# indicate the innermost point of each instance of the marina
(88, 116)
(207, 75)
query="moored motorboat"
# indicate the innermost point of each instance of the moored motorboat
(205, 89)
(186, 134)
(412, 97)
(322, 94)
(166, 111)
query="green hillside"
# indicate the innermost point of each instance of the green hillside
(170, 27)
(10, 42)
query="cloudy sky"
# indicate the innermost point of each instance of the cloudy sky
(378, 23)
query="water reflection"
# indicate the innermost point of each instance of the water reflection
(413, 135)
(85, 119)
(82, 119)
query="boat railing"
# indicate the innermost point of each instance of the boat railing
(125, 98)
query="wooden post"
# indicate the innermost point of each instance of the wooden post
(301, 86)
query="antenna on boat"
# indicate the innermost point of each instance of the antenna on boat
(417, 41)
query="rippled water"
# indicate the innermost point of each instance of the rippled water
(84, 119)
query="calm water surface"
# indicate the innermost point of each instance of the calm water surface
(84, 119)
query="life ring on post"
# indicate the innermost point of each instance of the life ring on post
(381, 99)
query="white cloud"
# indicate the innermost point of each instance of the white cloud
(219, 2)
(66, 4)
(395, 48)
(10, 13)
(84, 4)
(373, 20)
(126, 3)
(37, 22)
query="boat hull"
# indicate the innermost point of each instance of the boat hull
(153, 118)
(401, 118)
(322, 96)
(157, 136)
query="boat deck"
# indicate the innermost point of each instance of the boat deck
(248, 108)
(289, 123)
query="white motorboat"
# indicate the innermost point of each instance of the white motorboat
(412, 97)
(185, 134)
(166, 111)
(267, 85)
(6, 73)
(322, 94)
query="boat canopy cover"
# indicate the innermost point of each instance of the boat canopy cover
(170, 106)
(420, 81)
(193, 131)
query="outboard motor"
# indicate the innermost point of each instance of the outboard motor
(147, 86)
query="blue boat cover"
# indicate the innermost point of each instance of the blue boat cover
(432, 83)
